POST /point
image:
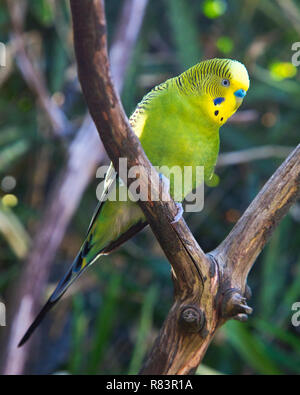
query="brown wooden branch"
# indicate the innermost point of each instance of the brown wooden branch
(209, 289)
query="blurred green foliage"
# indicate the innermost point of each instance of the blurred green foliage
(113, 320)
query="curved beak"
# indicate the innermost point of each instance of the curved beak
(240, 93)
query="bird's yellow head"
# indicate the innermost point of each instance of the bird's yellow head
(218, 86)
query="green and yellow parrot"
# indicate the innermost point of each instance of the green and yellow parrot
(178, 124)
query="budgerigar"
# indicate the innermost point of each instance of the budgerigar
(178, 124)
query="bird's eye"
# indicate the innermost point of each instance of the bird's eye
(225, 82)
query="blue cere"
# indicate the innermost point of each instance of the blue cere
(240, 93)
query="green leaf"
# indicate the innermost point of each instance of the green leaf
(14, 232)
(250, 348)
(43, 11)
(11, 153)
(204, 370)
(274, 272)
(79, 330)
(144, 329)
(104, 323)
(291, 296)
(280, 334)
(185, 32)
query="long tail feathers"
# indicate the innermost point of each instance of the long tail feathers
(75, 271)
(79, 266)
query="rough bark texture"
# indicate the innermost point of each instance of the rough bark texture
(209, 288)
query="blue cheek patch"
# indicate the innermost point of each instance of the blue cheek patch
(218, 100)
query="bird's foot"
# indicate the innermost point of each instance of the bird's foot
(179, 214)
(180, 210)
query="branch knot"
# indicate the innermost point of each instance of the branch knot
(192, 319)
(234, 305)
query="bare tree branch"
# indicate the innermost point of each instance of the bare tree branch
(251, 154)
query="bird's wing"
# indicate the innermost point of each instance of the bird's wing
(137, 122)
(139, 116)
(110, 179)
